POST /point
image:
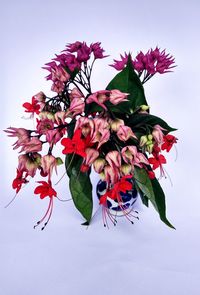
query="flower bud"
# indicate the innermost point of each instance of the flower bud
(144, 107)
(143, 140)
(99, 165)
(149, 148)
(126, 169)
(59, 161)
(150, 137)
(115, 124)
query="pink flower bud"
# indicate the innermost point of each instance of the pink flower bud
(117, 96)
(158, 134)
(115, 124)
(48, 163)
(77, 106)
(75, 93)
(114, 159)
(125, 132)
(40, 96)
(33, 146)
(126, 169)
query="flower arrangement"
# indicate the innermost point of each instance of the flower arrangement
(110, 131)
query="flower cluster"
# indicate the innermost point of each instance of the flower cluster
(109, 131)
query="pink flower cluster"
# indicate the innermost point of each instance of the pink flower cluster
(150, 63)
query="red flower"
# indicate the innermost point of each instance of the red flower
(121, 186)
(157, 160)
(45, 190)
(75, 145)
(169, 140)
(32, 107)
(19, 180)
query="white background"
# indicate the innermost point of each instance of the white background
(147, 258)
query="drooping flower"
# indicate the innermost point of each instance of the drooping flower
(113, 158)
(116, 96)
(158, 134)
(29, 163)
(115, 124)
(101, 132)
(131, 156)
(157, 161)
(48, 163)
(77, 106)
(19, 180)
(22, 134)
(34, 145)
(125, 132)
(99, 98)
(91, 156)
(45, 190)
(99, 164)
(168, 141)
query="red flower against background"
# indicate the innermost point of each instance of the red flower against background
(32, 107)
(75, 145)
(45, 190)
(121, 186)
(169, 140)
(157, 161)
(19, 180)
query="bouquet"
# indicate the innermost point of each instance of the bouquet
(109, 131)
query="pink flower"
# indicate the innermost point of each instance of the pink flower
(29, 164)
(117, 96)
(48, 163)
(22, 134)
(158, 134)
(131, 156)
(44, 125)
(33, 146)
(120, 64)
(97, 50)
(77, 106)
(86, 125)
(54, 135)
(83, 53)
(75, 93)
(40, 96)
(125, 132)
(99, 98)
(60, 117)
(114, 159)
(58, 86)
(101, 132)
(91, 156)
(112, 174)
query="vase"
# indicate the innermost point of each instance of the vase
(128, 199)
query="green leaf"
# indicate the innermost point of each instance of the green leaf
(137, 120)
(152, 190)
(128, 81)
(160, 201)
(144, 183)
(80, 186)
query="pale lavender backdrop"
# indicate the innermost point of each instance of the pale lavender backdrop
(147, 258)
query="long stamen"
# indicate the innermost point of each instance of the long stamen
(11, 201)
(51, 210)
(40, 221)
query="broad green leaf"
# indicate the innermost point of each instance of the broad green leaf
(80, 186)
(153, 191)
(128, 81)
(160, 201)
(137, 120)
(144, 183)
